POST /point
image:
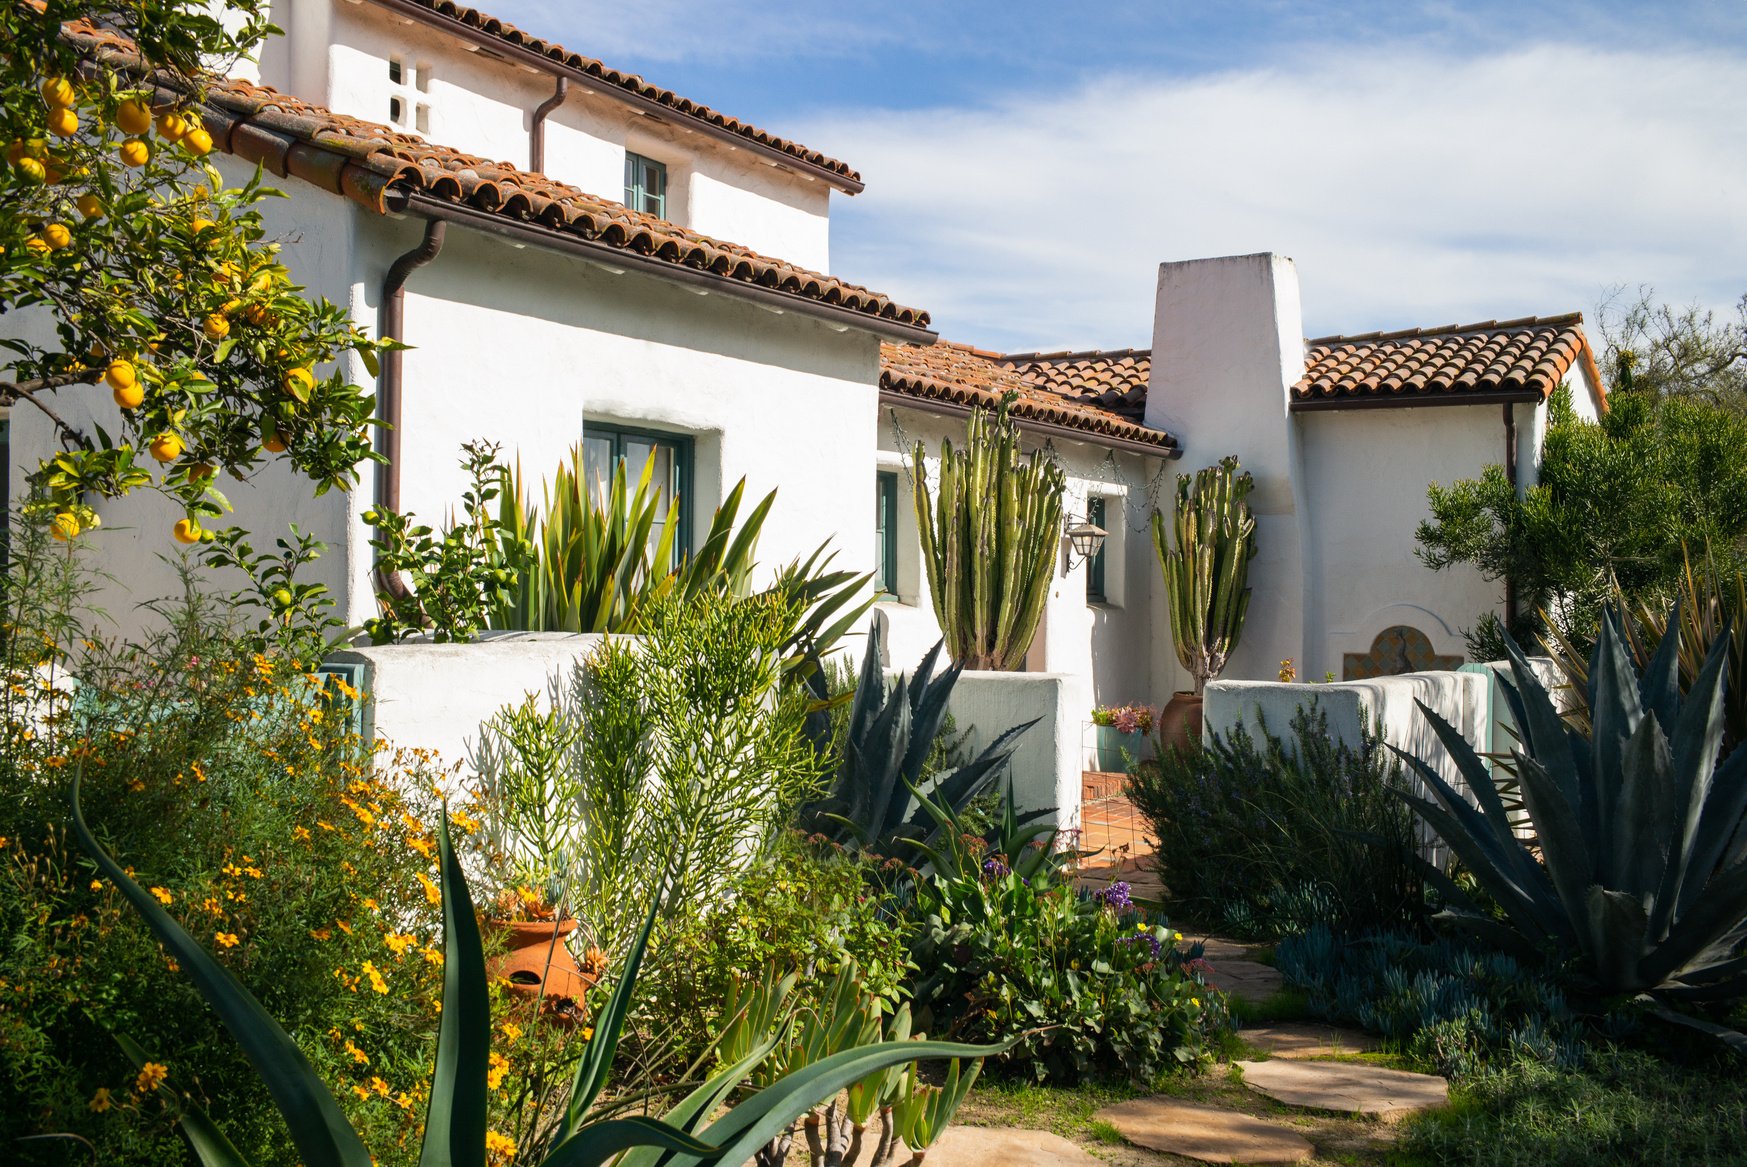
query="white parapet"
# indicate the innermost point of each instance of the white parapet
(1046, 764)
(436, 696)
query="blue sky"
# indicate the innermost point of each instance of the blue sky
(1029, 164)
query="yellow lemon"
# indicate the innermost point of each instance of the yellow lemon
(32, 169)
(197, 141)
(58, 92)
(63, 123)
(197, 225)
(57, 236)
(130, 397)
(133, 117)
(186, 531)
(135, 152)
(200, 471)
(64, 525)
(216, 327)
(166, 447)
(275, 443)
(120, 375)
(89, 205)
(298, 380)
(38, 245)
(172, 125)
(255, 314)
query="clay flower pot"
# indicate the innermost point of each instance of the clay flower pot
(1180, 720)
(538, 961)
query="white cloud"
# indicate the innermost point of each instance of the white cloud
(1410, 188)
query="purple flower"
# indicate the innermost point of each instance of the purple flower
(1116, 895)
(995, 867)
(1152, 941)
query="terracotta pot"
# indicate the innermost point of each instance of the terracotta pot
(538, 960)
(1180, 720)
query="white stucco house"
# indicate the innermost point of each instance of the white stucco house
(639, 270)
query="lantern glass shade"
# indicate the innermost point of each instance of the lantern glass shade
(1086, 538)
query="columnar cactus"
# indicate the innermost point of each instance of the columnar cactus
(1206, 574)
(989, 539)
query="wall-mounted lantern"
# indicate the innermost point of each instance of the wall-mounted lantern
(1085, 539)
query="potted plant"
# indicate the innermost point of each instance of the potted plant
(529, 825)
(1206, 582)
(1120, 734)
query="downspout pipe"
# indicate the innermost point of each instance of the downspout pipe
(537, 126)
(1510, 476)
(391, 319)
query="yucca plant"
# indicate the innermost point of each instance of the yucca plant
(690, 1135)
(875, 800)
(990, 537)
(1709, 600)
(1207, 571)
(1641, 876)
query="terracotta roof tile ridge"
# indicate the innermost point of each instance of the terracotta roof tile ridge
(1520, 322)
(447, 12)
(1078, 355)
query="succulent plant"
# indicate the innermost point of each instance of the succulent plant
(1207, 573)
(1638, 866)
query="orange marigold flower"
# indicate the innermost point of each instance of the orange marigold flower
(151, 1076)
(100, 1101)
(226, 939)
(433, 893)
(358, 1055)
(500, 1066)
(499, 1148)
(163, 896)
(398, 942)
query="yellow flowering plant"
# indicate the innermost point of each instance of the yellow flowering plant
(233, 791)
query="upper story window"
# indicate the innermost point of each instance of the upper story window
(645, 185)
(604, 447)
(886, 533)
(408, 84)
(1095, 511)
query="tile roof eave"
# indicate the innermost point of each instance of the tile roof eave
(912, 392)
(430, 206)
(558, 63)
(1411, 400)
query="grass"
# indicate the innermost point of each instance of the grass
(1624, 1108)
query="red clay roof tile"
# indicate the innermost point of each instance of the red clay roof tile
(1529, 356)
(1092, 392)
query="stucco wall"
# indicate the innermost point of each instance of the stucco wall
(522, 346)
(337, 54)
(1045, 767)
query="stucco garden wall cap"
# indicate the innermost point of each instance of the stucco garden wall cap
(371, 163)
(1493, 360)
(472, 24)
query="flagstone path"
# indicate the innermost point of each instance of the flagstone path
(1305, 1040)
(1208, 1133)
(1345, 1087)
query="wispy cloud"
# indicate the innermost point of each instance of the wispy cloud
(1411, 187)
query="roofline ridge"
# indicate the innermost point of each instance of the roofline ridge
(1451, 329)
(1074, 354)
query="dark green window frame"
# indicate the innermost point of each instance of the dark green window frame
(886, 532)
(1095, 511)
(645, 185)
(679, 484)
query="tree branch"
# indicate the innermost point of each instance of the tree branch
(12, 392)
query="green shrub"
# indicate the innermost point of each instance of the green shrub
(229, 786)
(1095, 987)
(1266, 839)
(1623, 1108)
(1448, 1005)
(796, 911)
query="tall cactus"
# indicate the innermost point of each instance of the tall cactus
(1206, 576)
(989, 541)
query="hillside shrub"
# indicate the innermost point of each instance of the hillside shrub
(1263, 839)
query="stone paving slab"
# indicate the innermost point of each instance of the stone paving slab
(982, 1146)
(1345, 1087)
(1303, 1040)
(1207, 1133)
(1249, 979)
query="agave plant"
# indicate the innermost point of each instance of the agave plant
(690, 1135)
(876, 799)
(1207, 572)
(1641, 876)
(989, 541)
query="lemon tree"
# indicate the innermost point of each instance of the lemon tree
(164, 290)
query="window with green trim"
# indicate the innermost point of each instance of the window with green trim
(1095, 565)
(886, 533)
(645, 185)
(605, 446)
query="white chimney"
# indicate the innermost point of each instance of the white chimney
(1228, 345)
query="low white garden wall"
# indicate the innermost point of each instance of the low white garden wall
(1046, 764)
(1460, 698)
(436, 696)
